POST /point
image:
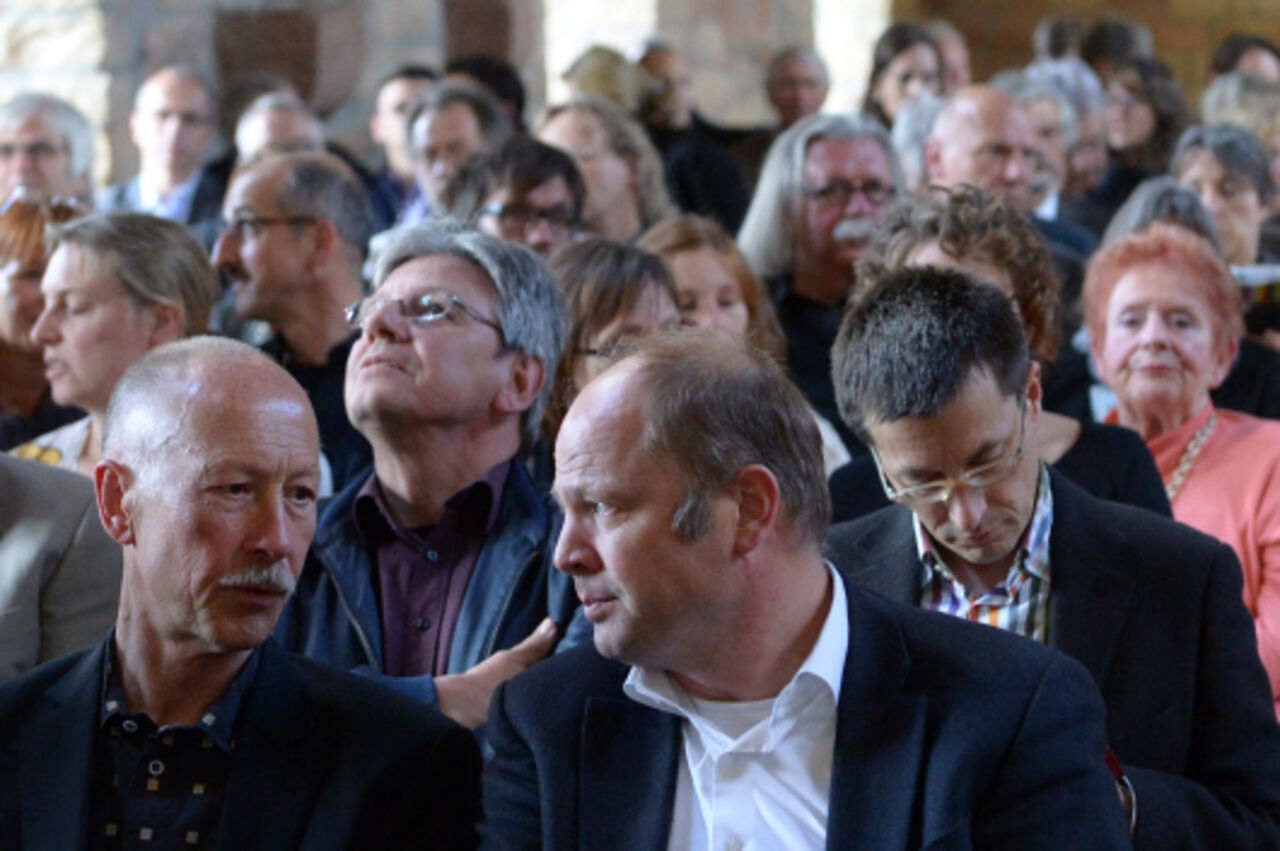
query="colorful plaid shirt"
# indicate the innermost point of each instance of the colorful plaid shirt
(1020, 603)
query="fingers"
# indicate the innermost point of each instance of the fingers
(537, 646)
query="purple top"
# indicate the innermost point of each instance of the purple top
(421, 574)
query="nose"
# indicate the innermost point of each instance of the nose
(538, 235)
(44, 331)
(1154, 331)
(271, 532)
(1017, 169)
(859, 206)
(225, 251)
(966, 507)
(574, 554)
(386, 321)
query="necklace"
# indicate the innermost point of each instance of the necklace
(1189, 457)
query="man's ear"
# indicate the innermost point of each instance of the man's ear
(168, 324)
(759, 499)
(523, 384)
(932, 160)
(112, 481)
(324, 241)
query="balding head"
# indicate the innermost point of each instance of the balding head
(208, 480)
(983, 138)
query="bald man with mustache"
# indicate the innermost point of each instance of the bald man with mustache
(188, 724)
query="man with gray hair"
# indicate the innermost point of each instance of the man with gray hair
(826, 184)
(174, 128)
(295, 227)
(432, 572)
(454, 123)
(46, 145)
(277, 122)
(183, 726)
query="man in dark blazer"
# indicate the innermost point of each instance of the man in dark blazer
(188, 725)
(932, 369)
(764, 702)
(173, 127)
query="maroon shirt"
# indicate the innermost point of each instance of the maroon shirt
(420, 575)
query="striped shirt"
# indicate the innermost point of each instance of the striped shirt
(1020, 602)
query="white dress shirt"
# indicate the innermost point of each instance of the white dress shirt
(757, 774)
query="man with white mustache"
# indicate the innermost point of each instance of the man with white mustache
(826, 184)
(183, 727)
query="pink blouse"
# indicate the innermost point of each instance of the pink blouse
(1232, 492)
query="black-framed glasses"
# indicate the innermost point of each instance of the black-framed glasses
(421, 309)
(242, 226)
(838, 193)
(516, 217)
(979, 477)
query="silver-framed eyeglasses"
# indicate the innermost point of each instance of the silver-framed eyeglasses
(980, 477)
(420, 309)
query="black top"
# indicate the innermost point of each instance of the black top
(811, 331)
(702, 176)
(347, 450)
(16, 430)
(1108, 461)
(1251, 387)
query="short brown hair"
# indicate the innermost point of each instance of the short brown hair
(1170, 247)
(689, 233)
(967, 222)
(716, 405)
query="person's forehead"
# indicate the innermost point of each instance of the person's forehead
(174, 91)
(34, 129)
(798, 70)
(456, 119)
(74, 268)
(980, 416)
(859, 156)
(255, 189)
(580, 124)
(440, 273)
(400, 91)
(552, 192)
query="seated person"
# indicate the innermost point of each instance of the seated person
(187, 725)
(739, 690)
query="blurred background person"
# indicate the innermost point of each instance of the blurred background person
(1245, 53)
(46, 145)
(626, 185)
(495, 75)
(117, 285)
(26, 407)
(1114, 41)
(905, 63)
(716, 289)
(1164, 318)
(796, 84)
(398, 95)
(956, 73)
(1087, 156)
(1057, 37)
(524, 192)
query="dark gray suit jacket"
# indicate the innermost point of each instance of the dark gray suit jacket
(948, 735)
(323, 760)
(1153, 610)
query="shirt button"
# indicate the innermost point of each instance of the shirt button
(422, 624)
(156, 767)
(129, 725)
(432, 555)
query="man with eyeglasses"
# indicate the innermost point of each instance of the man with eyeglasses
(524, 192)
(295, 227)
(932, 370)
(432, 572)
(826, 184)
(173, 127)
(46, 145)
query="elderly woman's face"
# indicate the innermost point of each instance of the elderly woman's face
(1233, 202)
(1162, 350)
(20, 300)
(1130, 120)
(90, 330)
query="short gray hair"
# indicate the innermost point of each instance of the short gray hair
(63, 118)
(154, 260)
(767, 237)
(1026, 90)
(530, 306)
(1235, 149)
(717, 404)
(1162, 199)
(495, 125)
(1074, 79)
(319, 185)
(275, 102)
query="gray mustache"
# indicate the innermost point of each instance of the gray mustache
(277, 576)
(854, 230)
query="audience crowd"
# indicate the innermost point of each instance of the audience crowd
(483, 495)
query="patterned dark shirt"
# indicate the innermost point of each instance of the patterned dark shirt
(161, 787)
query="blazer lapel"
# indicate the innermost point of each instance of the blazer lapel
(883, 558)
(279, 764)
(1090, 595)
(628, 776)
(880, 739)
(57, 750)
